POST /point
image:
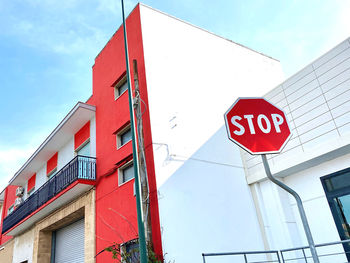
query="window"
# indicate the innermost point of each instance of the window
(10, 210)
(124, 137)
(120, 88)
(52, 173)
(84, 149)
(130, 251)
(30, 192)
(126, 173)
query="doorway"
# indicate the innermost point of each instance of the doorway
(337, 189)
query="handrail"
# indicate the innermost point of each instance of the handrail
(318, 245)
(80, 167)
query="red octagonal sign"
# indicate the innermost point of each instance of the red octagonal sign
(257, 126)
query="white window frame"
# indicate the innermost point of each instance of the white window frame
(120, 83)
(119, 135)
(120, 173)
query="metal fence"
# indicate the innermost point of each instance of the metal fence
(270, 256)
(81, 167)
(333, 252)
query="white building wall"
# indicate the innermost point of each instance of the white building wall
(317, 103)
(205, 204)
(23, 247)
(41, 177)
(65, 154)
(193, 76)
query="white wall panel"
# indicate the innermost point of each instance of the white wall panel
(343, 119)
(317, 131)
(313, 104)
(274, 92)
(293, 80)
(338, 69)
(331, 54)
(344, 130)
(333, 62)
(336, 80)
(336, 101)
(311, 115)
(338, 90)
(314, 122)
(300, 85)
(307, 88)
(311, 145)
(341, 109)
(305, 99)
(319, 108)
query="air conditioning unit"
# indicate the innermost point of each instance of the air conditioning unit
(18, 201)
(19, 191)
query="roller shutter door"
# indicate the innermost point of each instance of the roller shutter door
(69, 247)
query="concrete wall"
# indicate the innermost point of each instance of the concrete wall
(206, 205)
(6, 251)
(23, 247)
(81, 207)
(193, 77)
(317, 102)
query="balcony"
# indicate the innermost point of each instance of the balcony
(67, 184)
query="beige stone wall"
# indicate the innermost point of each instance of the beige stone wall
(81, 207)
(6, 254)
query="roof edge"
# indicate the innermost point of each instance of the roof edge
(207, 31)
(46, 141)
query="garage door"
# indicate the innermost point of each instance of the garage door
(69, 247)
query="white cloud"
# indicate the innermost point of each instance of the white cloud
(11, 160)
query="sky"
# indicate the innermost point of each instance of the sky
(47, 49)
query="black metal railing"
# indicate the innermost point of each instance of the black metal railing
(333, 252)
(81, 167)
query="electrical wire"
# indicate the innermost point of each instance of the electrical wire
(201, 160)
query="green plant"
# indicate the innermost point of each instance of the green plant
(120, 254)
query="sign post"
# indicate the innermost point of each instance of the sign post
(259, 127)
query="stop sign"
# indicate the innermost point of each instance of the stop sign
(257, 126)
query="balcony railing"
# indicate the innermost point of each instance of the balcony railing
(81, 167)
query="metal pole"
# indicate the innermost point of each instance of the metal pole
(142, 240)
(300, 208)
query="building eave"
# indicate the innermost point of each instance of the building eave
(80, 114)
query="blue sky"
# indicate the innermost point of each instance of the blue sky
(47, 49)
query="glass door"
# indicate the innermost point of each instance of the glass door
(337, 189)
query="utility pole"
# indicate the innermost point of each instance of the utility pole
(141, 228)
(142, 157)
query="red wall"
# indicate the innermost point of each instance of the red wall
(116, 205)
(9, 199)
